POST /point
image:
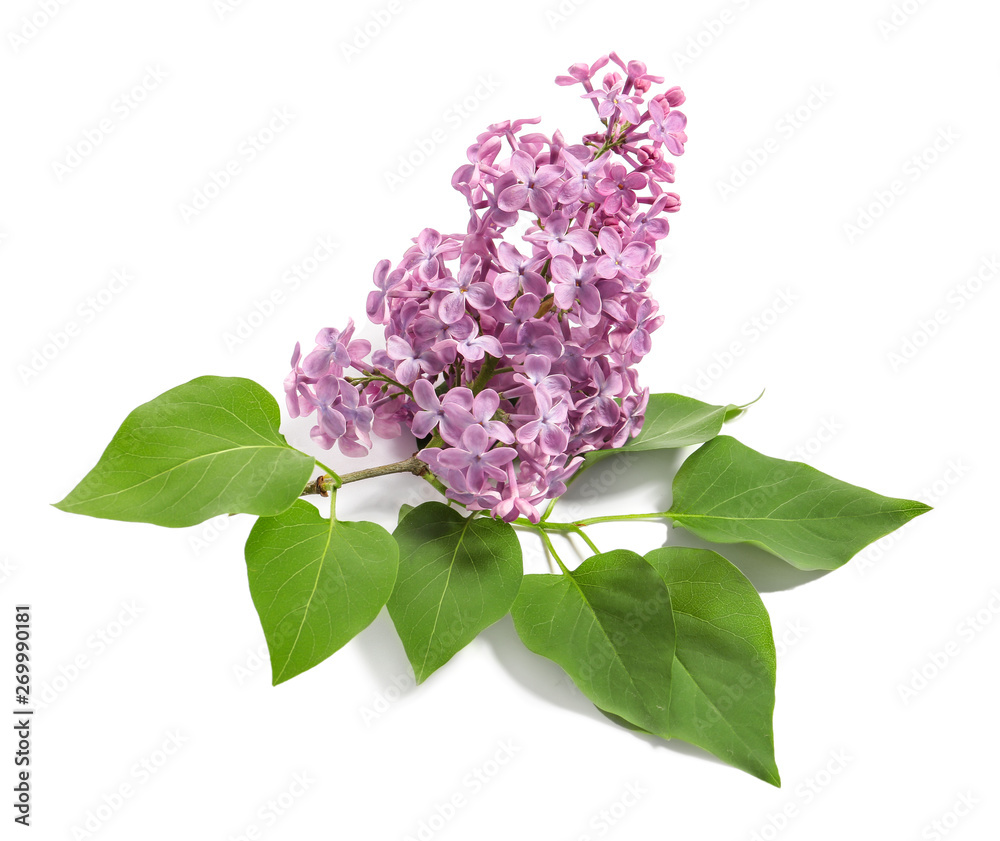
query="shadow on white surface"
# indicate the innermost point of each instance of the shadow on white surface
(615, 480)
(546, 680)
(382, 649)
(766, 572)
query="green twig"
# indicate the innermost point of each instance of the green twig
(484, 375)
(322, 485)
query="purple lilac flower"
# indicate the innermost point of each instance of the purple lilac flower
(384, 282)
(558, 239)
(573, 282)
(611, 99)
(330, 350)
(449, 412)
(514, 342)
(547, 425)
(464, 289)
(536, 375)
(618, 189)
(532, 187)
(628, 260)
(582, 175)
(668, 127)
(484, 409)
(411, 363)
(430, 253)
(475, 347)
(521, 274)
(295, 382)
(475, 459)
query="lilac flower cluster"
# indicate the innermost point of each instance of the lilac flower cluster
(509, 360)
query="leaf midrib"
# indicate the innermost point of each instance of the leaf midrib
(184, 463)
(444, 590)
(682, 515)
(689, 422)
(751, 751)
(312, 594)
(614, 649)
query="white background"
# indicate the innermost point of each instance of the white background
(147, 637)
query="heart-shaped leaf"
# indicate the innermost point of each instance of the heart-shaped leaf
(457, 576)
(316, 583)
(608, 623)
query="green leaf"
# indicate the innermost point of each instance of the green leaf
(672, 421)
(728, 493)
(316, 583)
(722, 683)
(404, 509)
(677, 644)
(208, 447)
(457, 576)
(608, 623)
(624, 722)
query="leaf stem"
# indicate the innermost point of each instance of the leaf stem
(576, 526)
(548, 510)
(552, 549)
(332, 475)
(612, 518)
(547, 525)
(587, 540)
